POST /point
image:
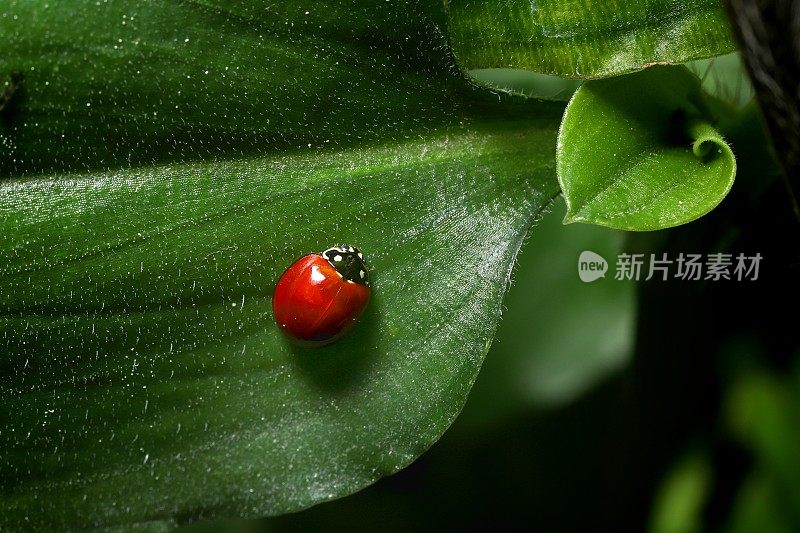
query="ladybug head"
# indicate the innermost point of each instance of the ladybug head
(349, 262)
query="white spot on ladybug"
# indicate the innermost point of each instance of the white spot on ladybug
(360, 255)
(316, 275)
(337, 258)
(361, 273)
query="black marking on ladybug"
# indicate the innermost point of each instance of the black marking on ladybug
(348, 262)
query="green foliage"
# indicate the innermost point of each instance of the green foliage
(528, 83)
(680, 500)
(144, 376)
(759, 507)
(111, 84)
(167, 161)
(725, 78)
(762, 413)
(559, 336)
(163, 162)
(640, 152)
(586, 39)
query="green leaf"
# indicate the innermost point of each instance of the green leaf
(761, 411)
(120, 82)
(725, 78)
(525, 82)
(586, 39)
(559, 336)
(760, 505)
(166, 161)
(683, 495)
(641, 152)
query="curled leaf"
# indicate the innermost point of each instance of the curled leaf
(640, 152)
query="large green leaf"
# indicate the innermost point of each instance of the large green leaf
(121, 82)
(586, 38)
(167, 161)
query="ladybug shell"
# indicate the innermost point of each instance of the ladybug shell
(314, 304)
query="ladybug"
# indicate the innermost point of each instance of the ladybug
(321, 295)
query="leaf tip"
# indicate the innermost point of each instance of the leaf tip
(570, 218)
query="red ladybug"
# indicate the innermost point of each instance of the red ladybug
(322, 295)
